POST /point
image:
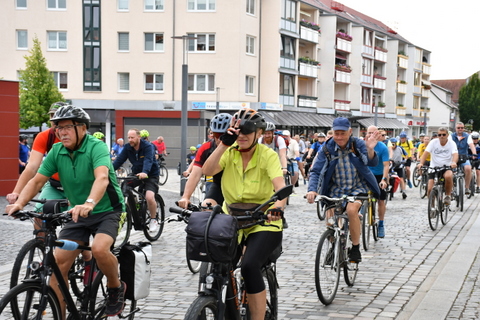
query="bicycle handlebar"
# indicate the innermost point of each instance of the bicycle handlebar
(342, 198)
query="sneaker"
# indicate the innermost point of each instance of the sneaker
(153, 226)
(409, 184)
(404, 195)
(419, 178)
(447, 200)
(116, 300)
(467, 191)
(381, 231)
(477, 190)
(354, 254)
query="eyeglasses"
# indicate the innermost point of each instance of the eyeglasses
(68, 127)
(460, 127)
(442, 134)
(383, 135)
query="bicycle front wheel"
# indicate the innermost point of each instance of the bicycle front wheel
(327, 267)
(366, 228)
(423, 187)
(433, 207)
(32, 250)
(163, 175)
(416, 181)
(272, 294)
(23, 301)
(320, 211)
(350, 269)
(124, 228)
(153, 230)
(193, 266)
(461, 192)
(203, 308)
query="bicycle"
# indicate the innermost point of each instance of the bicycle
(473, 181)
(416, 176)
(163, 177)
(221, 289)
(320, 210)
(332, 252)
(137, 213)
(458, 192)
(35, 299)
(423, 185)
(436, 207)
(369, 221)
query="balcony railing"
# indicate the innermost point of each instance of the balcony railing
(379, 109)
(426, 68)
(401, 87)
(342, 105)
(365, 107)
(367, 50)
(306, 101)
(380, 54)
(401, 111)
(366, 78)
(416, 113)
(402, 61)
(425, 93)
(342, 76)
(288, 63)
(287, 100)
(379, 83)
(288, 25)
(308, 70)
(417, 89)
(344, 45)
(309, 34)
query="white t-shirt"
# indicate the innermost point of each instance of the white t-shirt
(280, 143)
(292, 149)
(441, 155)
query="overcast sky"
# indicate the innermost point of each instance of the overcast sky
(448, 29)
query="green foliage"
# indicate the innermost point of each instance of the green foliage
(37, 89)
(469, 101)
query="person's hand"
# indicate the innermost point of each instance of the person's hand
(12, 197)
(311, 195)
(185, 173)
(81, 210)
(453, 165)
(383, 184)
(183, 203)
(12, 208)
(142, 175)
(372, 139)
(284, 171)
(274, 214)
(229, 137)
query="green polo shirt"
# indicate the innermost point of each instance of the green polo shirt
(254, 185)
(76, 170)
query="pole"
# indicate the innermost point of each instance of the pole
(376, 116)
(425, 123)
(217, 111)
(184, 119)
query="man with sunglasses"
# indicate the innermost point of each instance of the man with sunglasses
(442, 152)
(464, 142)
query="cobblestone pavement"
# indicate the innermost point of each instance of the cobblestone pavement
(395, 277)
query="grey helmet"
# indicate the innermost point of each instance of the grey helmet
(70, 112)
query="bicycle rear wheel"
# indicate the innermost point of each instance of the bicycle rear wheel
(23, 300)
(327, 267)
(444, 214)
(203, 308)
(416, 182)
(154, 233)
(193, 266)
(472, 184)
(272, 294)
(423, 187)
(32, 250)
(433, 208)
(163, 175)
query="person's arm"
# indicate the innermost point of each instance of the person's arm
(187, 172)
(190, 186)
(29, 172)
(472, 148)
(282, 154)
(149, 156)
(279, 183)
(31, 189)
(121, 158)
(454, 160)
(423, 158)
(211, 167)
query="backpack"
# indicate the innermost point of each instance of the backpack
(135, 269)
(353, 149)
(51, 139)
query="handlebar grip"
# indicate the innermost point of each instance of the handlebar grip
(67, 245)
(183, 212)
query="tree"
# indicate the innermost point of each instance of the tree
(469, 101)
(37, 89)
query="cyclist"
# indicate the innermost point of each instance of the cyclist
(117, 148)
(99, 135)
(407, 145)
(464, 142)
(191, 155)
(317, 145)
(475, 163)
(160, 145)
(82, 160)
(397, 156)
(421, 149)
(251, 171)
(141, 155)
(218, 125)
(443, 152)
(293, 154)
(275, 142)
(341, 168)
(381, 174)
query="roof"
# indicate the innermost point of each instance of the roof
(453, 85)
(382, 123)
(298, 119)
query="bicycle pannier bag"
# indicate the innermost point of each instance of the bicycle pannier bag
(240, 209)
(135, 269)
(211, 237)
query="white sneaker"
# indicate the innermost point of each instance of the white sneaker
(153, 226)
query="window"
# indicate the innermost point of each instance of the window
(366, 95)
(92, 51)
(289, 10)
(288, 48)
(124, 82)
(22, 39)
(249, 84)
(203, 43)
(367, 38)
(21, 4)
(417, 79)
(250, 45)
(153, 82)
(286, 84)
(201, 82)
(416, 102)
(123, 5)
(57, 40)
(123, 41)
(251, 6)
(57, 4)
(201, 5)
(154, 42)
(153, 5)
(367, 67)
(61, 80)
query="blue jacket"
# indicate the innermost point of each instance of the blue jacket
(462, 145)
(322, 170)
(142, 161)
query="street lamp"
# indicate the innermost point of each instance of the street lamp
(217, 109)
(184, 118)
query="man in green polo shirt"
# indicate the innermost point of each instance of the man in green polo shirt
(87, 176)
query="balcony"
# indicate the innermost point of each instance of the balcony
(342, 76)
(425, 93)
(365, 107)
(288, 24)
(416, 113)
(366, 78)
(308, 67)
(287, 100)
(417, 89)
(402, 87)
(401, 110)
(379, 82)
(309, 34)
(381, 54)
(307, 101)
(381, 107)
(402, 61)
(367, 50)
(426, 68)
(288, 63)
(342, 105)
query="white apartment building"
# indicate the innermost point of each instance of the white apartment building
(301, 63)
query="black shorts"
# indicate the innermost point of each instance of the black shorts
(151, 183)
(383, 193)
(399, 172)
(408, 162)
(441, 173)
(105, 222)
(215, 193)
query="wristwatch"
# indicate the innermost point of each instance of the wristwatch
(384, 178)
(91, 201)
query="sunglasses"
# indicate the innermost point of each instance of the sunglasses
(442, 134)
(460, 127)
(247, 127)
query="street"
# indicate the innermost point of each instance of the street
(413, 273)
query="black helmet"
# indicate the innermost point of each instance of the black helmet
(69, 112)
(250, 120)
(55, 106)
(23, 137)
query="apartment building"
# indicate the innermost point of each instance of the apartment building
(301, 63)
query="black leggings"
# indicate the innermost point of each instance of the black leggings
(259, 247)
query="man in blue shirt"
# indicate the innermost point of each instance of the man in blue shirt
(344, 171)
(464, 143)
(380, 171)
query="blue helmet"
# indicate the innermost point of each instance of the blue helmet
(403, 134)
(393, 140)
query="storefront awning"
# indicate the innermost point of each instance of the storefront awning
(298, 119)
(382, 123)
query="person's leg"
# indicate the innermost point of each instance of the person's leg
(152, 205)
(467, 168)
(106, 260)
(354, 226)
(448, 175)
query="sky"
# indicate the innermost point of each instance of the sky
(448, 29)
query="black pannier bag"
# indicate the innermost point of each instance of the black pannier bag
(211, 237)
